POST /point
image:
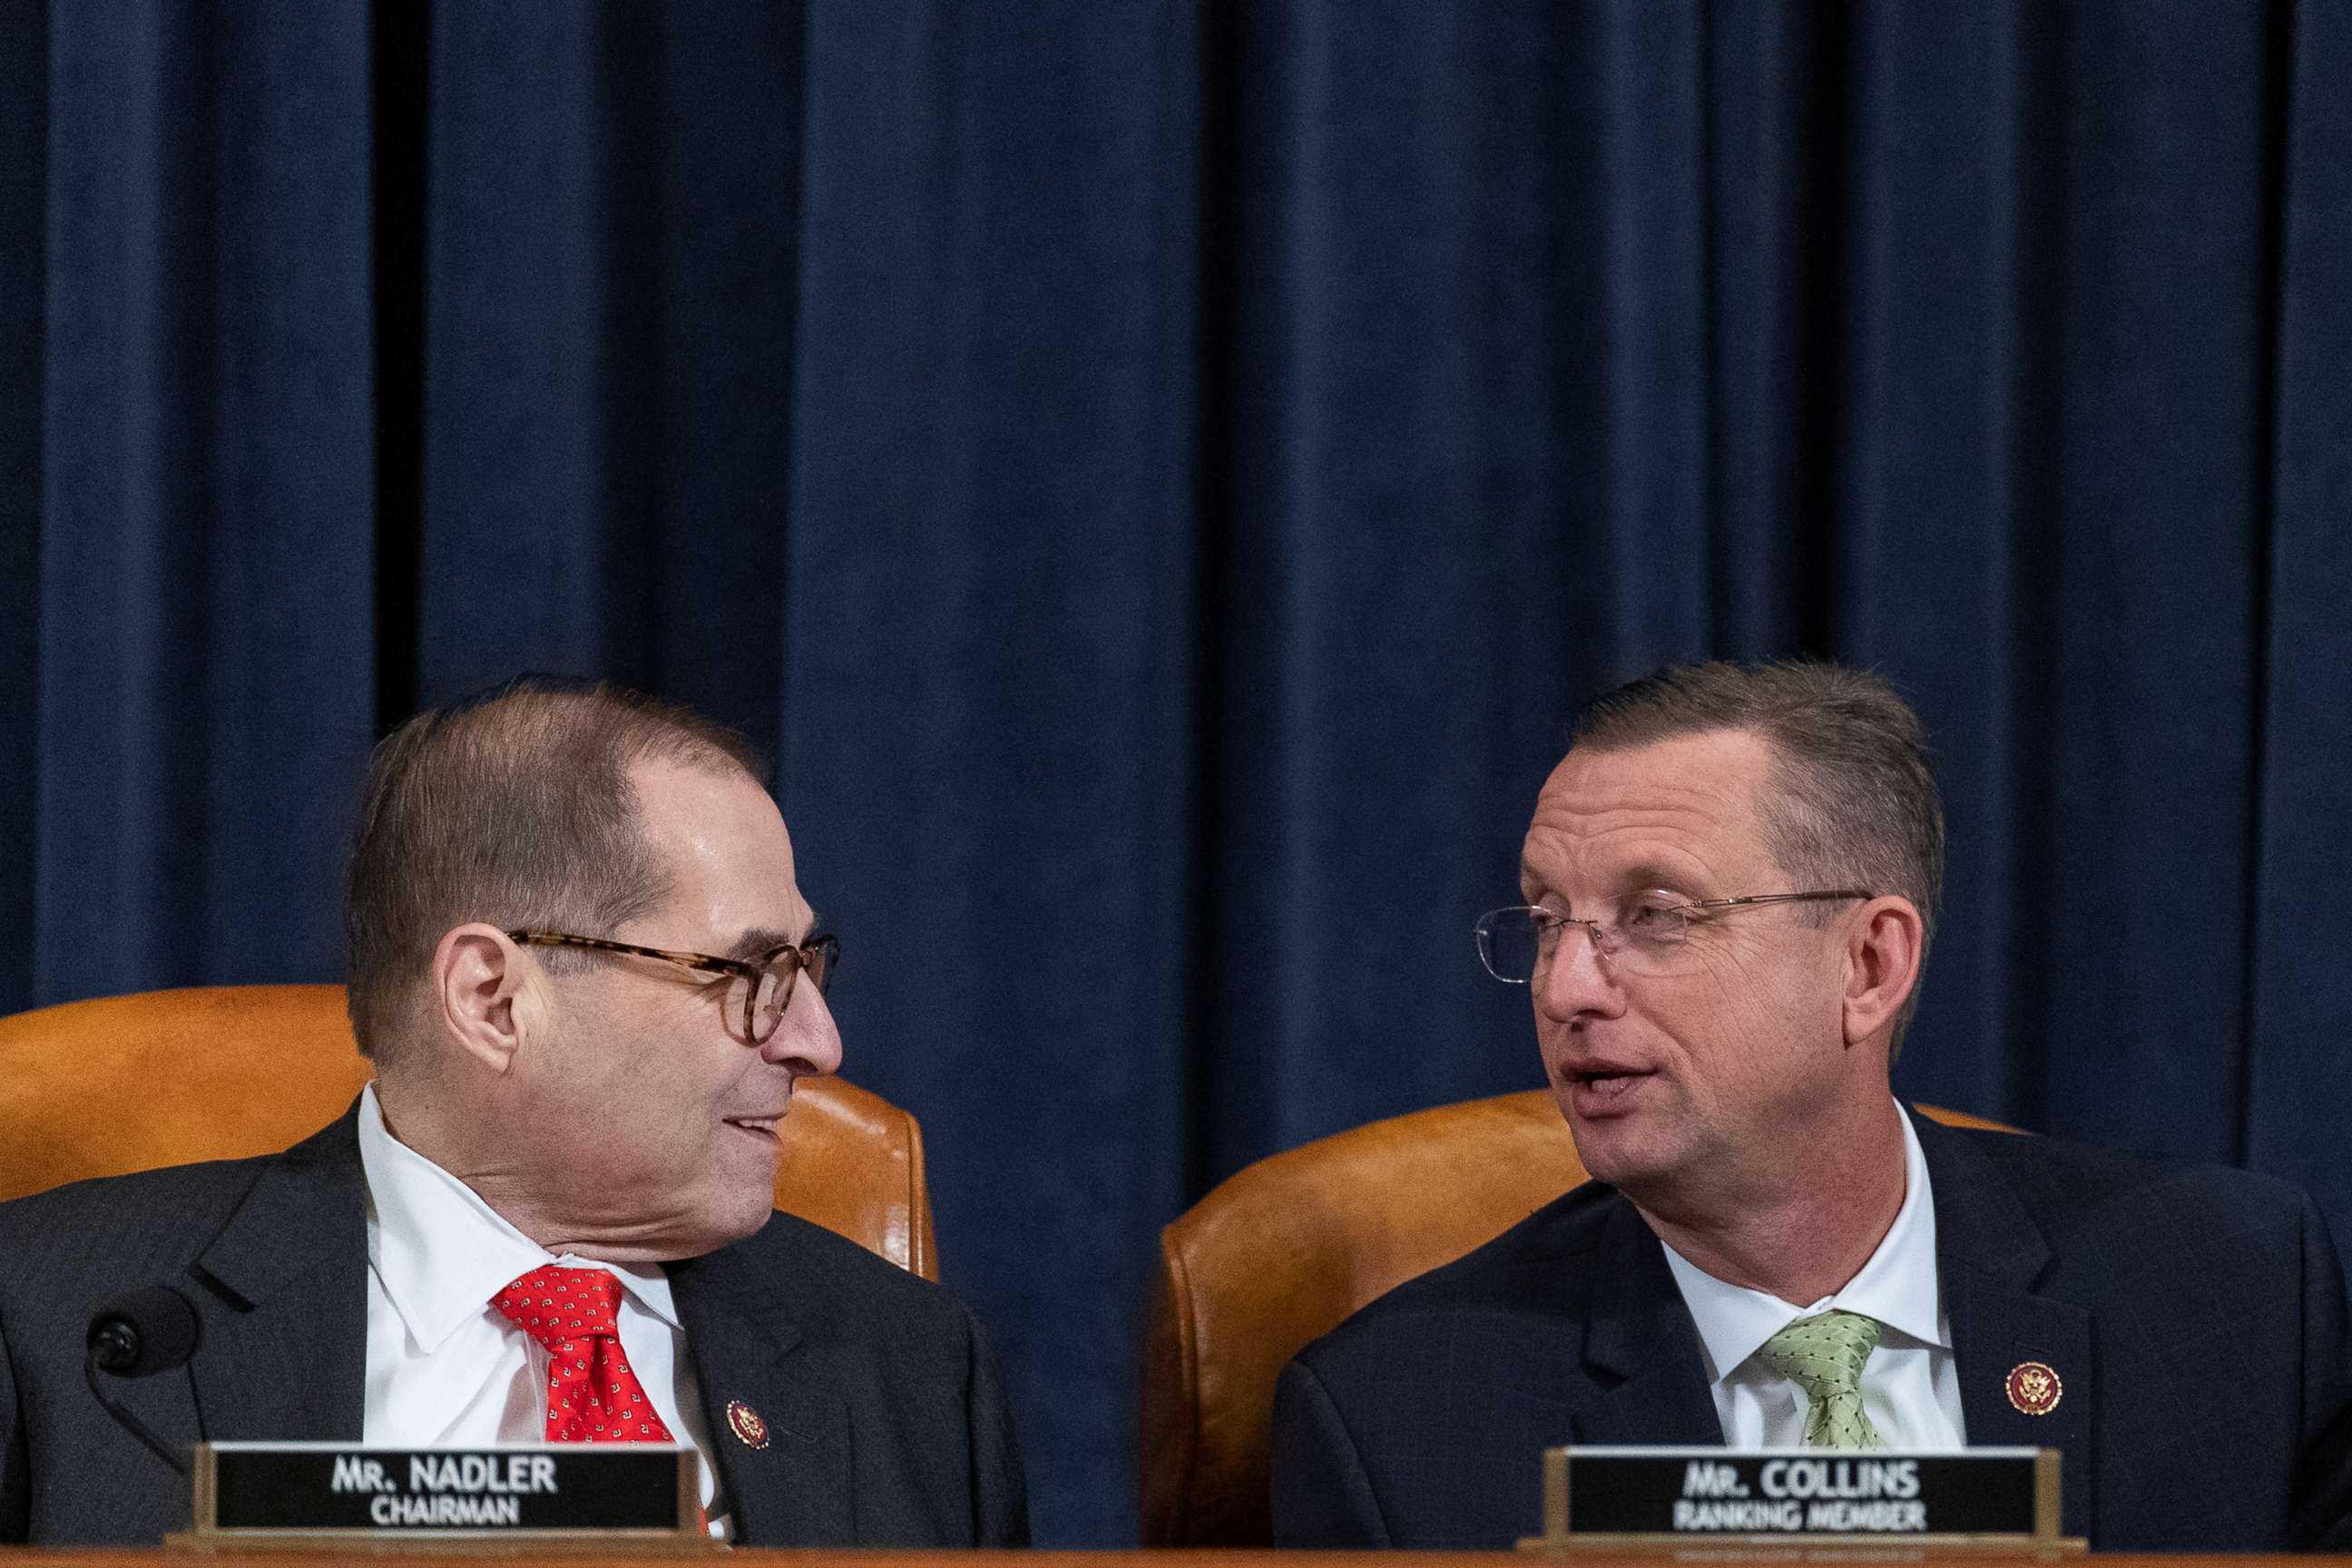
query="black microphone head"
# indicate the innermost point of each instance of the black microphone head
(144, 1333)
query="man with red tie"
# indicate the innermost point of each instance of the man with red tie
(584, 967)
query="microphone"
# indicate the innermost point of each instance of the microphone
(139, 1335)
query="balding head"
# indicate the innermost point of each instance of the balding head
(514, 808)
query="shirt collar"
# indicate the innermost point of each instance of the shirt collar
(441, 1253)
(1897, 1285)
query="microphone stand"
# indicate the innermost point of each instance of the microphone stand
(106, 1342)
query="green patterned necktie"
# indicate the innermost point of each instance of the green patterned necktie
(1823, 1355)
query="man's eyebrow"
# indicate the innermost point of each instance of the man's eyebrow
(1633, 878)
(761, 939)
(1649, 873)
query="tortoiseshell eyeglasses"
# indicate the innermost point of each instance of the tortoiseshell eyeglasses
(764, 983)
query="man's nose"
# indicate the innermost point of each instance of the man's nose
(1578, 982)
(806, 1039)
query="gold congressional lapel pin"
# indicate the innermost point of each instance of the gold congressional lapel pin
(2034, 1388)
(750, 1429)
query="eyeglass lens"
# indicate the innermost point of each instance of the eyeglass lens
(774, 992)
(1507, 943)
(1515, 942)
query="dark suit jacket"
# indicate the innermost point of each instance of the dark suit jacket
(887, 1426)
(2195, 1316)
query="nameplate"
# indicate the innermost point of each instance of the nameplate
(314, 1492)
(1684, 1497)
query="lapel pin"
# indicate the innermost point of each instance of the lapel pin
(751, 1431)
(2034, 1388)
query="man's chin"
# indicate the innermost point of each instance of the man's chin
(712, 1230)
(739, 1215)
(691, 1220)
(1624, 1151)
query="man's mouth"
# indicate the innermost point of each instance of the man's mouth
(1600, 1089)
(763, 1126)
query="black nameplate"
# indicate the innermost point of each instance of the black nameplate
(1685, 1494)
(329, 1488)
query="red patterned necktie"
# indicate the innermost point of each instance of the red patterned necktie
(591, 1395)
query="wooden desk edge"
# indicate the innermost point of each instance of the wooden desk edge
(1200, 1557)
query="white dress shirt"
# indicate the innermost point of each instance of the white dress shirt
(444, 1366)
(1910, 1388)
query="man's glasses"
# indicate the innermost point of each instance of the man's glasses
(1649, 934)
(759, 989)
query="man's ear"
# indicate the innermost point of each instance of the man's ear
(1882, 965)
(483, 998)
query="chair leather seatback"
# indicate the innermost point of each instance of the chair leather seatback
(165, 1078)
(1282, 1252)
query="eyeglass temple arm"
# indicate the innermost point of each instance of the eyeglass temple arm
(1782, 898)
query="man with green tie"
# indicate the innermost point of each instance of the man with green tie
(1726, 894)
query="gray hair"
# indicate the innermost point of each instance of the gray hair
(1856, 804)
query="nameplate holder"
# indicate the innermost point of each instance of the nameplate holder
(640, 1497)
(1687, 1499)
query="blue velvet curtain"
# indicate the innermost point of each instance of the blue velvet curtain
(1160, 478)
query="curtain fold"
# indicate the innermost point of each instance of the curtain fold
(611, 222)
(204, 502)
(2298, 1015)
(24, 300)
(992, 475)
(1158, 482)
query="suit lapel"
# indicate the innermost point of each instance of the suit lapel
(282, 1301)
(794, 1488)
(281, 1296)
(1989, 1255)
(1640, 1347)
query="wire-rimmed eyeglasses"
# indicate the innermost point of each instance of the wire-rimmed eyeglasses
(1649, 934)
(764, 985)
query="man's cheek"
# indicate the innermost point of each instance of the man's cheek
(1728, 980)
(1742, 945)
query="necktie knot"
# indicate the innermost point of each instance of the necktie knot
(593, 1394)
(1824, 1355)
(553, 1304)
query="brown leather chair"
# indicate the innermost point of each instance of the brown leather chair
(163, 1078)
(1279, 1255)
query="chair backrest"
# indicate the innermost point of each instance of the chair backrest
(1279, 1255)
(163, 1077)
